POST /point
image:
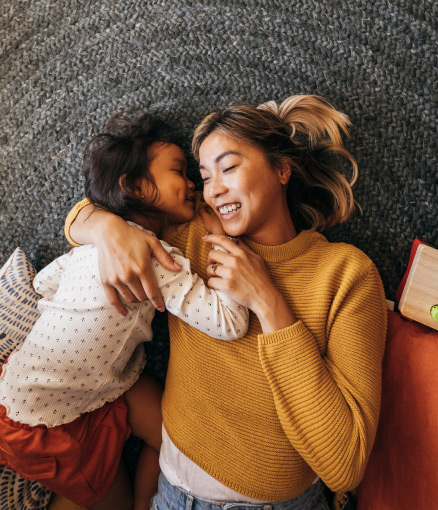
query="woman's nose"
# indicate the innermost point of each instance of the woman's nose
(215, 187)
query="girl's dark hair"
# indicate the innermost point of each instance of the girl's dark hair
(125, 148)
(305, 133)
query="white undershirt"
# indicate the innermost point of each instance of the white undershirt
(181, 472)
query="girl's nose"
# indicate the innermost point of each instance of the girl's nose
(190, 184)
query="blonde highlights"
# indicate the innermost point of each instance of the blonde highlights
(304, 131)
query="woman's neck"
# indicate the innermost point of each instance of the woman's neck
(278, 231)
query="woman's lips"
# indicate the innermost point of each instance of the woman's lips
(230, 210)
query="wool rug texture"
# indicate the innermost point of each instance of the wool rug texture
(67, 65)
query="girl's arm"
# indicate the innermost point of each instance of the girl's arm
(188, 297)
(328, 404)
(46, 281)
(124, 255)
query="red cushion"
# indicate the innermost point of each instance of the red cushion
(402, 472)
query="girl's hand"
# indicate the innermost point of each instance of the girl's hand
(124, 257)
(211, 221)
(243, 276)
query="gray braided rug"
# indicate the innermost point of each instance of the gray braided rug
(67, 65)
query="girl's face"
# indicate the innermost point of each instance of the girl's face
(244, 190)
(176, 197)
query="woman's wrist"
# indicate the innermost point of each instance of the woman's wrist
(103, 225)
(273, 311)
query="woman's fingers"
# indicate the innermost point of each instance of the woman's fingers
(162, 256)
(220, 257)
(126, 269)
(150, 287)
(222, 241)
(114, 299)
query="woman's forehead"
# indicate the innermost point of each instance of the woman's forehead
(219, 145)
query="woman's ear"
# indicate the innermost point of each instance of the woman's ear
(284, 172)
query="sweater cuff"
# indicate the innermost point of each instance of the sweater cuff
(295, 330)
(72, 215)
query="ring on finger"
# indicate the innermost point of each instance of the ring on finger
(213, 269)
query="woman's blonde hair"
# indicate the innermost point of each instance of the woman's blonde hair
(305, 132)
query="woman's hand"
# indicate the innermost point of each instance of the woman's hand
(243, 276)
(124, 257)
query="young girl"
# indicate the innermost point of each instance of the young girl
(72, 393)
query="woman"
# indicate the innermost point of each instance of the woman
(262, 420)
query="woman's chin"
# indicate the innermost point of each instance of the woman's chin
(232, 231)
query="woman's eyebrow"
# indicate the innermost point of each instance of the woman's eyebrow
(222, 155)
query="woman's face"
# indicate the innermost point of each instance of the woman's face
(175, 191)
(243, 188)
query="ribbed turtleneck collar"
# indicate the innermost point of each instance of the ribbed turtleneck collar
(293, 248)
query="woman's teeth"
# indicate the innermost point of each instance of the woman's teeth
(226, 209)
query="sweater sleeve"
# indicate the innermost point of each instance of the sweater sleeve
(328, 405)
(187, 296)
(72, 215)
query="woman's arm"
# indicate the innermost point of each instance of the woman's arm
(329, 404)
(124, 255)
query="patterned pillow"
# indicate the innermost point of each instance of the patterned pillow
(18, 302)
(18, 313)
(17, 493)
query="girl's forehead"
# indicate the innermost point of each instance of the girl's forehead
(167, 151)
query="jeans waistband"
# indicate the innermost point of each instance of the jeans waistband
(176, 499)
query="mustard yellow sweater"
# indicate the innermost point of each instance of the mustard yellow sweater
(267, 413)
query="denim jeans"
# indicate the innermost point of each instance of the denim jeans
(169, 497)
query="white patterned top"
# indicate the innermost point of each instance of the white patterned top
(81, 353)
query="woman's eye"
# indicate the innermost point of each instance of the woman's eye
(204, 179)
(229, 168)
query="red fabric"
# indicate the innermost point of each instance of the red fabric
(78, 460)
(402, 472)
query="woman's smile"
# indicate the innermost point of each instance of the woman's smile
(229, 211)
